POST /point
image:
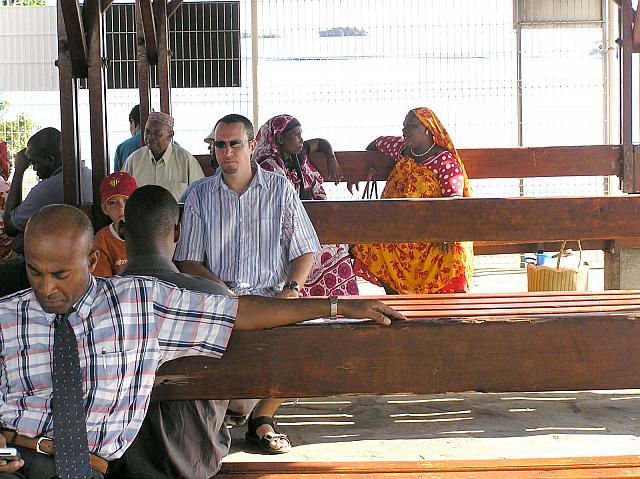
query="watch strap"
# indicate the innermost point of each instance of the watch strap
(333, 303)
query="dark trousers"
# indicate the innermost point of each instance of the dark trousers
(36, 466)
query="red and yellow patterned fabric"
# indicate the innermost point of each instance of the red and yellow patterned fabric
(420, 267)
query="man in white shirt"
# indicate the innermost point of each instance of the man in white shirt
(162, 162)
(247, 228)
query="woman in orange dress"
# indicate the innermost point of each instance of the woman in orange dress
(427, 166)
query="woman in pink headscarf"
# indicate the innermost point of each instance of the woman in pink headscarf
(280, 148)
(5, 170)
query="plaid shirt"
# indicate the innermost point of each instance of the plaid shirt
(126, 328)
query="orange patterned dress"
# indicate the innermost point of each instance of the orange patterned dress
(419, 267)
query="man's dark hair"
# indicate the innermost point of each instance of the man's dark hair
(150, 212)
(134, 115)
(47, 141)
(235, 118)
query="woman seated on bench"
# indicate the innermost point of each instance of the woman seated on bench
(427, 166)
(279, 148)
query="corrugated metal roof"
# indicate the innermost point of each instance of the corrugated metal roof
(28, 36)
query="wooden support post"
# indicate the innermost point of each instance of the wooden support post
(172, 6)
(97, 103)
(144, 87)
(149, 29)
(631, 170)
(105, 5)
(76, 41)
(68, 116)
(164, 68)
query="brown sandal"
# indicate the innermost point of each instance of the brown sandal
(264, 442)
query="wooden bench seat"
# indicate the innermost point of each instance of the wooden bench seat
(561, 468)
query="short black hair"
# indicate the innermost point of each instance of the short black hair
(235, 118)
(47, 141)
(151, 211)
(134, 115)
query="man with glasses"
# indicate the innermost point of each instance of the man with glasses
(162, 162)
(248, 229)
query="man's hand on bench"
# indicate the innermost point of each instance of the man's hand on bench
(368, 308)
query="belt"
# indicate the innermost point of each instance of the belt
(44, 445)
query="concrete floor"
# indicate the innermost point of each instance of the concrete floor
(456, 426)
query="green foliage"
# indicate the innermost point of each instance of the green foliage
(23, 3)
(15, 132)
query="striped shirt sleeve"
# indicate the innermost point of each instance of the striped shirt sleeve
(193, 232)
(191, 323)
(303, 235)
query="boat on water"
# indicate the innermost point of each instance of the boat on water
(343, 32)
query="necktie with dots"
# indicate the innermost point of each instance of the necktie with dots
(69, 423)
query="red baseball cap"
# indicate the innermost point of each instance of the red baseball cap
(118, 183)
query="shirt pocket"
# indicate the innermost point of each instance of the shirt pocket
(111, 381)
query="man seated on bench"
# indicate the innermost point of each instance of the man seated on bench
(248, 229)
(80, 354)
(44, 154)
(178, 439)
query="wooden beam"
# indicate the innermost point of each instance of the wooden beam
(172, 6)
(595, 160)
(163, 70)
(495, 247)
(631, 169)
(76, 39)
(480, 163)
(530, 468)
(68, 86)
(149, 30)
(144, 85)
(476, 219)
(636, 31)
(105, 5)
(544, 353)
(97, 105)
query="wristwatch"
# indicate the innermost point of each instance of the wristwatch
(291, 285)
(333, 302)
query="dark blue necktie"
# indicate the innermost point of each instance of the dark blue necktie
(69, 423)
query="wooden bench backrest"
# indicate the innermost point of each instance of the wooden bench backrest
(532, 349)
(595, 160)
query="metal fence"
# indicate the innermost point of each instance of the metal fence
(499, 73)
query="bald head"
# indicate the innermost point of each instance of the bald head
(58, 243)
(57, 220)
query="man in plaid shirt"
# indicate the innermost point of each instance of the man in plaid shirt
(125, 329)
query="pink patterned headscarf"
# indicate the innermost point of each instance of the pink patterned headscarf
(4, 160)
(266, 143)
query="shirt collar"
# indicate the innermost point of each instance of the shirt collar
(83, 305)
(165, 156)
(258, 179)
(147, 262)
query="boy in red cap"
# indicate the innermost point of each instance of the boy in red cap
(115, 190)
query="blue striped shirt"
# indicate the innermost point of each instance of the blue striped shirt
(126, 327)
(248, 240)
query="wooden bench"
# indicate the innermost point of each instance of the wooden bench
(602, 222)
(561, 468)
(451, 343)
